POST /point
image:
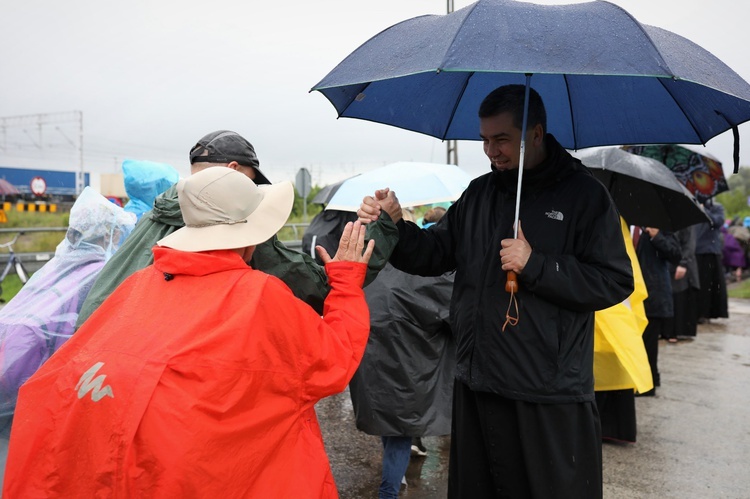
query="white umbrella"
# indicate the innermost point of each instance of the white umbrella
(415, 184)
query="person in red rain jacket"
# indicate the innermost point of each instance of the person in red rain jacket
(198, 376)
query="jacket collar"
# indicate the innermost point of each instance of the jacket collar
(175, 263)
(559, 164)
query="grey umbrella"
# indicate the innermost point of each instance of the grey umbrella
(645, 191)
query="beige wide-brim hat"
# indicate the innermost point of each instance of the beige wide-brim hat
(224, 209)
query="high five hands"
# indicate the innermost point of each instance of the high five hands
(351, 246)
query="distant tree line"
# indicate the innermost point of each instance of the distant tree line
(735, 200)
(312, 209)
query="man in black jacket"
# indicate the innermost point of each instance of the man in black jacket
(524, 419)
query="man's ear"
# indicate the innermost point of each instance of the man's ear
(234, 166)
(538, 134)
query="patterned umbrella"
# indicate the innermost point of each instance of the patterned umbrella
(701, 173)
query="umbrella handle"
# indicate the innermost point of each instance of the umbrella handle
(511, 282)
(511, 286)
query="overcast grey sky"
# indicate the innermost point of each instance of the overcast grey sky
(152, 76)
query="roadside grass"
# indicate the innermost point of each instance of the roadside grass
(29, 242)
(740, 290)
(11, 286)
(37, 241)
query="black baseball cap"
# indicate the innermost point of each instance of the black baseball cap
(225, 146)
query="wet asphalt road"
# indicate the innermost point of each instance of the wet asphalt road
(693, 436)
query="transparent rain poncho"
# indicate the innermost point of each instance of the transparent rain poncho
(42, 316)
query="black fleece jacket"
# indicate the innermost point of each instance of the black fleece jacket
(578, 265)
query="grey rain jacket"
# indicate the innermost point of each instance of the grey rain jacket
(578, 265)
(404, 384)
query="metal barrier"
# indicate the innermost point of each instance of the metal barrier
(29, 206)
(295, 227)
(33, 261)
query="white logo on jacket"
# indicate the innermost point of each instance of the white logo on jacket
(88, 383)
(554, 215)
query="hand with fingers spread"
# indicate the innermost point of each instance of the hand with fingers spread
(384, 199)
(515, 253)
(351, 246)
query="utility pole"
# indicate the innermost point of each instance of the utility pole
(79, 177)
(32, 138)
(452, 145)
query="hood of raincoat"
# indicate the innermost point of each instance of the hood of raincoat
(144, 180)
(166, 209)
(96, 225)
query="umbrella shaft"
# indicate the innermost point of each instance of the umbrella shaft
(524, 124)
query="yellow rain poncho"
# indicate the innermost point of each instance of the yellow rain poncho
(620, 360)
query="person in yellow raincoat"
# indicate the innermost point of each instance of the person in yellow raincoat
(621, 365)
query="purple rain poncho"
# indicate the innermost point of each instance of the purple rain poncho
(42, 316)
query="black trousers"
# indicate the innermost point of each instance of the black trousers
(657, 327)
(712, 298)
(617, 414)
(685, 320)
(503, 448)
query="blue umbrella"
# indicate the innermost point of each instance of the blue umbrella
(605, 78)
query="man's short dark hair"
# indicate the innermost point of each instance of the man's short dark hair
(509, 98)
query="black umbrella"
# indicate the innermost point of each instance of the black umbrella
(645, 191)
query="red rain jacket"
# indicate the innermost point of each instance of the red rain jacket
(197, 378)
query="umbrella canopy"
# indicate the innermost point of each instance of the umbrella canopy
(605, 78)
(7, 189)
(700, 172)
(416, 184)
(324, 195)
(645, 191)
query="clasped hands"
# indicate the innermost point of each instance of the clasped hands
(514, 255)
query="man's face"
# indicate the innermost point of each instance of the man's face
(501, 140)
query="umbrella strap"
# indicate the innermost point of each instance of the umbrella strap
(510, 319)
(736, 136)
(736, 155)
